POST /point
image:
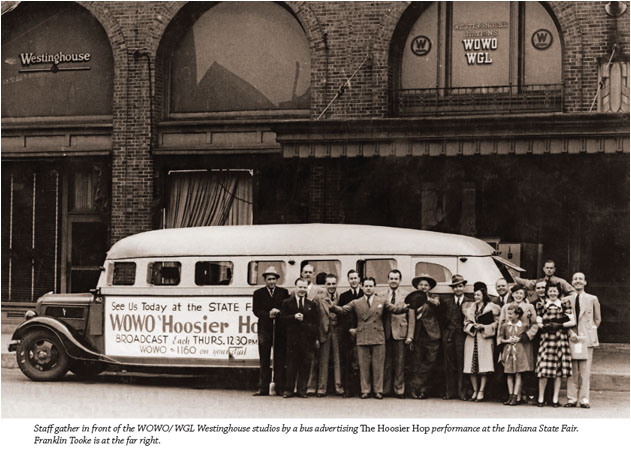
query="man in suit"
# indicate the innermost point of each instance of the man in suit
(399, 331)
(329, 336)
(496, 384)
(586, 308)
(370, 337)
(300, 316)
(453, 308)
(549, 269)
(426, 339)
(266, 303)
(313, 291)
(349, 346)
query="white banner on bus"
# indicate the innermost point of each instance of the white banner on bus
(209, 327)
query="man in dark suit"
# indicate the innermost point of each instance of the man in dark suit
(426, 339)
(329, 337)
(452, 308)
(349, 346)
(266, 303)
(399, 331)
(496, 384)
(300, 316)
(503, 294)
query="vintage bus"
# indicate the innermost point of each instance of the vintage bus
(176, 298)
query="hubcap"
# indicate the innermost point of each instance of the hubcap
(43, 355)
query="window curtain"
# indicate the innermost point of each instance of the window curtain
(209, 199)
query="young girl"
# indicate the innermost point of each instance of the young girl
(478, 346)
(554, 360)
(514, 355)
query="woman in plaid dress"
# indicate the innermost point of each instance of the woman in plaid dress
(553, 360)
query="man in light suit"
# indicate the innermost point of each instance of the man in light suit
(586, 308)
(399, 331)
(300, 316)
(370, 337)
(266, 306)
(329, 336)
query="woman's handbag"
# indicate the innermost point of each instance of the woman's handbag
(578, 349)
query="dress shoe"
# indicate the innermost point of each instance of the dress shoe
(556, 404)
(304, 396)
(421, 396)
(287, 395)
(540, 404)
(447, 397)
(320, 394)
(585, 405)
(480, 396)
(400, 396)
(346, 396)
(311, 393)
(260, 393)
(364, 396)
(509, 400)
(514, 401)
(570, 405)
(413, 395)
(379, 396)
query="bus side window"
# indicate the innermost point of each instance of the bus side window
(213, 272)
(377, 268)
(164, 273)
(321, 268)
(124, 273)
(436, 271)
(256, 269)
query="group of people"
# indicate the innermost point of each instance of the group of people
(510, 342)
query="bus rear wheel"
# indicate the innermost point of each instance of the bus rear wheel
(41, 356)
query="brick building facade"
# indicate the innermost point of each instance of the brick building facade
(531, 167)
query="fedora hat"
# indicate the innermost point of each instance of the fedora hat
(430, 280)
(416, 299)
(271, 271)
(457, 280)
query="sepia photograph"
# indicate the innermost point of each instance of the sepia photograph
(313, 211)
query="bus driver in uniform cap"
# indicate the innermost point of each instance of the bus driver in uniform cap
(266, 306)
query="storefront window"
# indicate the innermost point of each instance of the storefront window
(241, 56)
(477, 57)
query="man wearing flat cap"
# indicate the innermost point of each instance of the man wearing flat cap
(453, 308)
(426, 337)
(266, 303)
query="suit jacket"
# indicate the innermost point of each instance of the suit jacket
(528, 319)
(263, 303)
(428, 320)
(299, 332)
(450, 317)
(328, 318)
(587, 319)
(369, 320)
(398, 326)
(489, 330)
(349, 319)
(496, 299)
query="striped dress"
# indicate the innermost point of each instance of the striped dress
(553, 358)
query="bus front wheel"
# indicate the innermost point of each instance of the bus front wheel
(41, 356)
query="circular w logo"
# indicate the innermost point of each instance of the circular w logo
(541, 39)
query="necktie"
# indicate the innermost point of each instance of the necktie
(577, 307)
(368, 300)
(459, 302)
(332, 296)
(271, 293)
(354, 293)
(301, 304)
(394, 297)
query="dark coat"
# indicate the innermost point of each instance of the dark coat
(349, 320)
(299, 332)
(262, 304)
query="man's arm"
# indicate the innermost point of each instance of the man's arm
(597, 317)
(529, 284)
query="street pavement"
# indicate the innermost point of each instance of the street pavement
(124, 395)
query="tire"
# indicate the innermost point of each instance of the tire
(86, 369)
(41, 356)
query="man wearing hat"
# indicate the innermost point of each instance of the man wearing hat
(266, 303)
(453, 308)
(426, 338)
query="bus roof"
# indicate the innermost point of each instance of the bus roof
(294, 239)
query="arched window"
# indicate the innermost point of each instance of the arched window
(240, 56)
(476, 57)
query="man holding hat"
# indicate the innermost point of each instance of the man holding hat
(453, 308)
(266, 303)
(426, 337)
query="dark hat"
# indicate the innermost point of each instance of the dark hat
(518, 286)
(430, 280)
(457, 280)
(480, 286)
(416, 299)
(271, 271)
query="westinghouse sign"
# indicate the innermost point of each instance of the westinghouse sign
(30, 59)
(218, 327)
